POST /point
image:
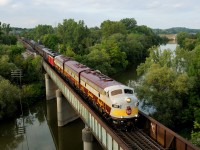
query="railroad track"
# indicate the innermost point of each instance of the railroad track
(138, 140)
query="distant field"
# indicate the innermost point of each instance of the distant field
(169, 36)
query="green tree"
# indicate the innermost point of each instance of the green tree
(95, 36)
(0, 33)
(196, 134)
(111, 27)
(6, 28)
(117, 57)
(40, 31)
(74, 35)
(164, 87)
(32, 69)
(15, 50)
(181, 38)
(6, 66)
(51, 41)
(9, 96)
(130, 24)
(134, 48)
(31, 92)
(99, 59)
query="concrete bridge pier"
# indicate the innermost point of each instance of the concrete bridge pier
(50, 88)
(65, 112)
(87, 138)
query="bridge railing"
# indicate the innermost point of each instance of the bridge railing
(100, 130)
(163, 135)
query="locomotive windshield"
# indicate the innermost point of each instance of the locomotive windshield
(116, 92)
(128, 91)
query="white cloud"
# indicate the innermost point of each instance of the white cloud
(4, 2)
(153, 13)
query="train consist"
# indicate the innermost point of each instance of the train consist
(112, 99)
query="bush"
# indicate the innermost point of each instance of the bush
(9, 96)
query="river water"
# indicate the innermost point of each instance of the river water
(36, 131)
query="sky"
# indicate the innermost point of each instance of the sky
(161, 14)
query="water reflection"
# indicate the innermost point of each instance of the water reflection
(41, 131)
(171, 46)
(27, 132)
(8, 138)
(69, 136)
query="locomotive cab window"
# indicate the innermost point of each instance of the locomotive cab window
(128, 91)
(116, 92)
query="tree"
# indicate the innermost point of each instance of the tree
(32, 69)
(40, 31)
(9, 96)
(5, 38)
(0, 33)
(6, 66)
(111, 27)
(73, 35)
(130, 24)
(117, 57)
(99, 59)
(164, 87)
(181, 38)
(95, 35)
(134, 48)
(51, 41)
(196, 134)
(6, 28)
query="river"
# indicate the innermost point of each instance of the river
(40, 134)
(32, 131)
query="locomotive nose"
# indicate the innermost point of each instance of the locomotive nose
(128, 110)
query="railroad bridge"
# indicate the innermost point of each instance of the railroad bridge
(149, 135)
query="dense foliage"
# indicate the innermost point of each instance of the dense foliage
(5, 37)
(32, 80)
(110, 48)
(11, 58)
(9, 96)
(171, 84)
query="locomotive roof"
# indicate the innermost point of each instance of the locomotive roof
(62, 58)
(76, 66)
(99, 79)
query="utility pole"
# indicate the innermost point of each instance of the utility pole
(17, 73)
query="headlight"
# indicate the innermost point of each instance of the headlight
(115, 106)
(128, 100)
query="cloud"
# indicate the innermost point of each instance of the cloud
(4, 2)
(153, 13)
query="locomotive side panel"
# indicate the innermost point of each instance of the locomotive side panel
(95, 96)
(58, 64)
(71, 74)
